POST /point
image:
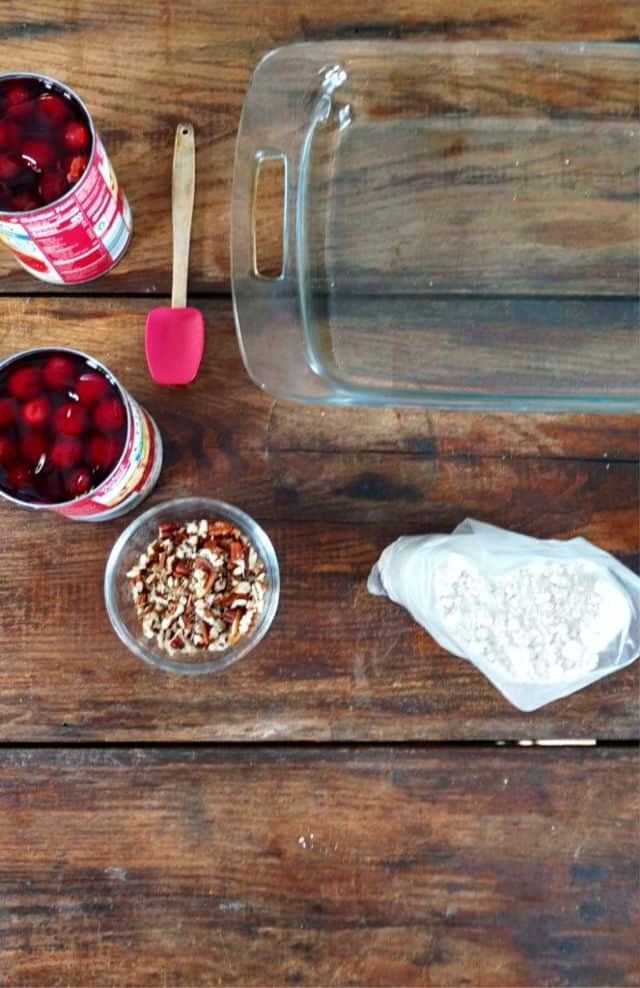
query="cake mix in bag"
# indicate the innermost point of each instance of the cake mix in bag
(540, 618)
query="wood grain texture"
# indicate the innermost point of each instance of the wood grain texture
(495, 168)
(142, 67)
(332, 487)
(515, 207)
(225, 403)
(559, 350)
(302, 867)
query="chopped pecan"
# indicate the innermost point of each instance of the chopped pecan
(227, 599)
(236, 552)
(204, 566)
(203, 630)
(198, 586)
(234, 633)
(166, 529)
(221, 528)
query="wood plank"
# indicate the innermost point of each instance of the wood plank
(117, 55)
(463, 170)
(237, 416)
(455, 434)
(558, 350)
(337, 664)
(328, 866)
(332, 487)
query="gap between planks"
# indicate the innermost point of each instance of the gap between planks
(410, 454)
(224, 292)
(319, 746)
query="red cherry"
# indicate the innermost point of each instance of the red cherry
(59, 372)
(24, 202)
(69, 419)
(109, 415)
(19, 92)
(5, 197)
(9, 134)
(18, 102)
(19, 475)
(66, 451)
(53, 107)
(37, 154)
(24, 382)
(9, 166)
(36, 410)
(26, 180)
(91, 387)
(75, 136)
(33, 445)
(52, 186)
(103, 451)
(78, 482)
(7, 449)
(21, 112)
(49, 485)
(7, 411)
(75, 166)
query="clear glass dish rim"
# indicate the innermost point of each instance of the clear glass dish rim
(329, 389)
(215, 509)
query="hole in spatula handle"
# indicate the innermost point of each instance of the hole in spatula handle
(269, 215)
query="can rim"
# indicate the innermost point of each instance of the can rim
(126, 402)
(92, 130)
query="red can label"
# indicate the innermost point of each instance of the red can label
(81, 236)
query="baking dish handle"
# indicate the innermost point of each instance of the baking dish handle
(281, 112)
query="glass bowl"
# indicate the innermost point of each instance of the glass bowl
(134, 540)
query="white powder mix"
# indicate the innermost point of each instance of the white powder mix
(545, 622)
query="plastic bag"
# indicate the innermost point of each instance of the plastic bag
(470, 590)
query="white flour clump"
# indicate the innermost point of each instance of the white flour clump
(545, 622)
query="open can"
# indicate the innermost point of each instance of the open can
(86, 231)
(117, 488)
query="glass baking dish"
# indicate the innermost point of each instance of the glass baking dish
(459, 225)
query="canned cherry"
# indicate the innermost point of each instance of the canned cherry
(61, 210)
(71, 438)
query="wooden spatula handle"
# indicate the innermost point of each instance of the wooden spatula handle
(182, 192)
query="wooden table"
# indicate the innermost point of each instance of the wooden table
(350, 804)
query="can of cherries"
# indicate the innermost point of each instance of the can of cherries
(62, 212)
(72, 439)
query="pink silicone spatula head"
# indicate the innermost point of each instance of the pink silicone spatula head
(174, 337)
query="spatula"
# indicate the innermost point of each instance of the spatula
(174, 337)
